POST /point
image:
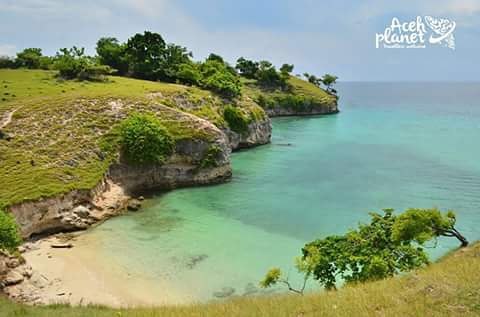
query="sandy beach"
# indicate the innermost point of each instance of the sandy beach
(76, 276)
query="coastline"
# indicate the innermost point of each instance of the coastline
(59, 275)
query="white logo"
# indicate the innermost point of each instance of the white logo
(413, 34)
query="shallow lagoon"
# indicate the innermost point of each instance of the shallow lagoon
(393, 145)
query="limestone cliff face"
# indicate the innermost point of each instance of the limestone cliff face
(305, 110)
(258, 133)
(188, 167)
(193, 163)
(55, 214)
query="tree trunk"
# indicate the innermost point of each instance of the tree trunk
(460, 237)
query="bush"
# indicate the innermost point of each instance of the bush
(236, 119)
(74, 64)
(9, 237)
(210, 158)
(29, 58)
(7, 62)
(216, 76)
(189, 74)
(145, 140)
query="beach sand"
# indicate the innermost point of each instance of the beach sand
(77, 276)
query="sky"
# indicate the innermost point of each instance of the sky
(318, 37)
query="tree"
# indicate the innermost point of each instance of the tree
(112, 53)
(173, 57)
(7, 62)
(215, 57)
(145, 53)
(313, 79)
(328, 80)
(421, 225)
(286, 69)
(267, 75)
(216, 76)
(247, 68)
(9, 236)
(387, 246)
(29, 58)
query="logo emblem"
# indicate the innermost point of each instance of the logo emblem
(443, 29)
(414, 33)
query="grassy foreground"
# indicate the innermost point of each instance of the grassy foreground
(450, 287)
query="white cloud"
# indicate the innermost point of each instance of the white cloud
(7, 50)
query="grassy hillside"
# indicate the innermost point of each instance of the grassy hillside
(59, 133)
(448, 288)
(301, 94)
(59, 137)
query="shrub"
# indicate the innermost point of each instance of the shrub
(216, 76)
(29, 58)
(7, 62)
(210, 158)
(265, 102)
(236, 119)
(9, 236)
(189, 74)
(145, 140)
(74, 64)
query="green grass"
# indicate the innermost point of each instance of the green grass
(306, 93)
(447, 288)
(61, 130)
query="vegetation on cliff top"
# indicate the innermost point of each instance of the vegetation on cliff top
(58, 134)
(59, 138)
(444, 289)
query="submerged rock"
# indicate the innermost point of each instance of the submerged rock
(194, 260)
(134, 205)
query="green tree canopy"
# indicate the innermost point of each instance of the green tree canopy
(112, 53)
(386, 246)
(29, 58)
(329, 80)
(247, 68)
(145, 53)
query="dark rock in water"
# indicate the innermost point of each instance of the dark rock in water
(194, 260)
(224, 292)
(284, 144)
(134, 205)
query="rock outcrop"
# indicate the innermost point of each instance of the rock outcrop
(306, 110)
(193, 163)
(258, 133)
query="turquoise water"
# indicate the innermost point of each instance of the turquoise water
(393, 145)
